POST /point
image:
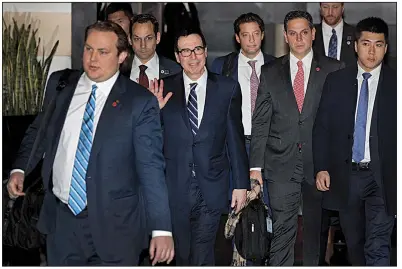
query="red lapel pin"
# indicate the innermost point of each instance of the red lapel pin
(115, 103)
(317, 69)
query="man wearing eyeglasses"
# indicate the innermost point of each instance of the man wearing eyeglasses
(202, 123)
(147, 65)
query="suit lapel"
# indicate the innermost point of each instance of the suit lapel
(320, 40)
(108, 114)
(311, 90)
(211, 91)
(163, 70)
(235, 69)
(287, 81)
(347, 41)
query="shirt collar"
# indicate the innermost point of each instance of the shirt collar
(201, 81)
(243, 60)
(375, 73)
(104, 87)
(306, 60)
(327, 30)
(153, 63)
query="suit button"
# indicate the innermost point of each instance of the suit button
(190, 165)
(194, 145)
(346, 161)
(300, 122)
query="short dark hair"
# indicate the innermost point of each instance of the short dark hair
(116, 7)
(108, 26)
(187, 32)
(298, 14)
(248, 17)
(373, 25)
(144, 18)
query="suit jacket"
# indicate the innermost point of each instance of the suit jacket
(167, 67)
(334, 129)
(348, 54)
(126, 163)
(278, 128)
(217, 64)
(220, 137)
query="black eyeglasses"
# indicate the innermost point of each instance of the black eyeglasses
(197, 51)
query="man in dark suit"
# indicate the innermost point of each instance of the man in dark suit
(101, 150)
(334, 37)
(202, 131)
(244, 67)
(287, 100)
(147, 64)
(354, 146)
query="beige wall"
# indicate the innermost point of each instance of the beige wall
(53, 21)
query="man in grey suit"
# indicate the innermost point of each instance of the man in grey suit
(288, 97)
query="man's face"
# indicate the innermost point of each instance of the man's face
(100, 59)
(250, 38)
(299, 36)
(370, 49)
(144, 41)
(193, 65)
(331, 13)
(121, 19)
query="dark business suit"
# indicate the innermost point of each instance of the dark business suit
(126, 160)
(198, 199)
(348, 54)
(281, 145)
(361, 197)
(223, 246)
(167, 67)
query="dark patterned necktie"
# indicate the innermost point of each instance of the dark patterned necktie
(333, 45)
(143, 78)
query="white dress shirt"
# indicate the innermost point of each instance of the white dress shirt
(200, 90)
(244, 73)
(293, 71)
(306, 67)
(372, 91)
(152, 71)
(67, 147)
(326, 37)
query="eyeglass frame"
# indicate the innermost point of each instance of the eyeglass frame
(192, 50)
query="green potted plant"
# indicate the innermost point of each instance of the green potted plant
(24, 81)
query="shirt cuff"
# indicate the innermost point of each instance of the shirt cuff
(255, 169)
(16, 170)
(161, 233)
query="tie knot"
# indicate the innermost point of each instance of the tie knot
(333, 31)
(94, 88)
(252, 63)
(299, 64)
(366, 75)
(143, 68)
(193, 86)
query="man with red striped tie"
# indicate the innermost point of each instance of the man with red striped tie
(288, 96)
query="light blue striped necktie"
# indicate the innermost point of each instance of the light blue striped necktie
(77, 200)
(359, 141)
(333, 45)
(192, 108)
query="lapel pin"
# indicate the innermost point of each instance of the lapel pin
(115, 103)
(317, 69)
(163, 71)
(348, 38)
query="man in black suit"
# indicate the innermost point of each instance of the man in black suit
(120, 13)
(334, 37)
(354, 146)
(287, 100)
(102, 152)
(147, 64)
(203, 129)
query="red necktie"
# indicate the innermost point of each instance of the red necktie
(143, 78)
(298, 85)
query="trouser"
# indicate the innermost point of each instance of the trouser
(365, 223)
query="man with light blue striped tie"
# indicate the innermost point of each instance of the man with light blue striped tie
(103, 166)
(354, 147)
